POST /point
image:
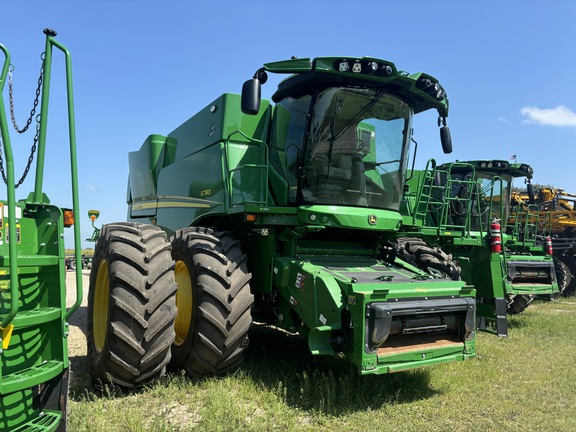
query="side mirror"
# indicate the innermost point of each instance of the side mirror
(251, 91)
(446, 139)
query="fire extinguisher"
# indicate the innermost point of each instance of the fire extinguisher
(495, 238)
(549, 250)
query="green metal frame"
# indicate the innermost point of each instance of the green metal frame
(38, 195)
(37, 278)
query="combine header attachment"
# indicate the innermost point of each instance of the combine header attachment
(34, 367)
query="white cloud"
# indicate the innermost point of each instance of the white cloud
(91, 187)
(502, 119)
(560, 116)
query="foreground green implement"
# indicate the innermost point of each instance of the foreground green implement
(463, 208)
(283, 214)
(34, 368)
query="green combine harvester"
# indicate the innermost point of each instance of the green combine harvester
(463, 208)
(284, 214)
(34, 366)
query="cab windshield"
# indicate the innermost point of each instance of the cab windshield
(357, 149)
(495, 188)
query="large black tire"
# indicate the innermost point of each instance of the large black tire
(563, 275)
(131, 305)
(518, 303)
(432, 260)
(214, 302)
(569, 260)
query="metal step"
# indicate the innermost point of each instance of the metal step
(46, 421)
(35, 317)
(30, 377)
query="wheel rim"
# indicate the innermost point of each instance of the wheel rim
(100, 309)
(184, 302)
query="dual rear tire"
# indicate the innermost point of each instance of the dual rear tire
(214, 302)
(131, 305)
(152, 303)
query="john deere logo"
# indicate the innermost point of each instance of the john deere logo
(372, 219)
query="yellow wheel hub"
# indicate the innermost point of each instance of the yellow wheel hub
(101, 306)
(184, 302)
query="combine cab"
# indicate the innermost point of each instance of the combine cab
(34, 368)
(281, 213)
(463, 207)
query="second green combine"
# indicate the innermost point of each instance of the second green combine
(463, 208)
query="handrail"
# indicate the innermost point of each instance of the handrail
(73, 163)
(11, 197)
(429, 168)
(264, 166)
(495, 179)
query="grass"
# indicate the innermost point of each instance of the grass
(522, 383)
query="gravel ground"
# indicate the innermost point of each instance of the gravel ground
(77, 351)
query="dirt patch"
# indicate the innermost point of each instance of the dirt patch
(77, 350)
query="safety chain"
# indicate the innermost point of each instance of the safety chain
(10, 92)
(30, 158)
(28, 122)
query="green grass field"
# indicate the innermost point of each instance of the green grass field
(522, 383)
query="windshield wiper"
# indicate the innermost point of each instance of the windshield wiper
(372, 165)
(332, 137)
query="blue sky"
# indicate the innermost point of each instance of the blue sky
(143, 67)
